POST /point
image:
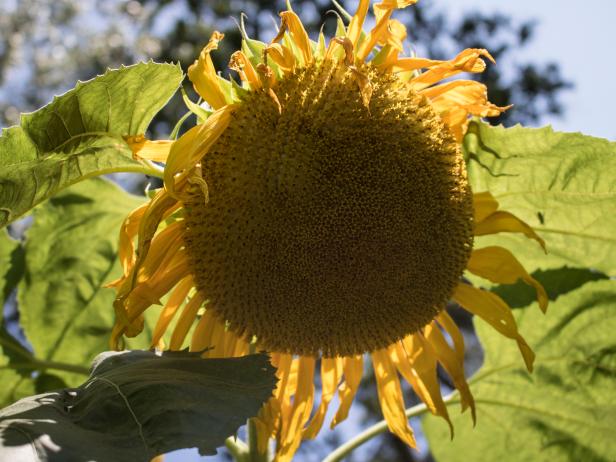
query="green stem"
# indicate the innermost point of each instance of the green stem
(380, 427)
(254, 455)
(237, 448)
(149, 170)
(39, 364)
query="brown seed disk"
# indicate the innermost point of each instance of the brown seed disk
(330, 228)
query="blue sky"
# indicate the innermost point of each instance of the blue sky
(580, 37)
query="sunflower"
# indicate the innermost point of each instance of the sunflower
(321, 212)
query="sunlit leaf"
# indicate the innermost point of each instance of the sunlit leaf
(562, 184)
(80, 134)
(70, 253)
(565, 410)
(136, 405)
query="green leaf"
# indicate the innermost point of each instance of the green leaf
(136, 405)
(15, 381)
(11, 266)
(556, 282)
(566, 409)
(80, 135)
(70, 254)
(561, 184)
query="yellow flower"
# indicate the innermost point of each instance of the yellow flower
(323, 211)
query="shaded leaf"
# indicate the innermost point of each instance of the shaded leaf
(566, 409)
(11, 265)
(136, 405)
(562, 184)
(70, 253)
(80, 134)
(556, 282)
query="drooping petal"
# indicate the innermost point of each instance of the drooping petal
(355, 26)
(203, 75)
(484, 205)
(143, 148)
(176, 299)
(353, 368)
(293, 25)
(187, 317)
(492, 309)
(386, 30)
(377, 34)
(450, 361)
(499, 265)
(282, 56)
(240, 63)
(416, 362)
(470, 95)
(390, 396)
(188, 150)
(468, 60)
(126, 248)
(412, 64)
(331, 372)
(205, 332)
(451, 328)
(502, 222)
(291, 431)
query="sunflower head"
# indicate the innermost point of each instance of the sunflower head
(331, 225)
(323, 209)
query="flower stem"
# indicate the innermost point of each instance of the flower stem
(39, 364)
(253, 447)
(237, 448)
(380, 427)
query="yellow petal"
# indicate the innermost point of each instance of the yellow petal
(484, 205)
(412, 64)
(500, 222)
(282, 56)
(188, 316)
(468, 60)
(390, 397)
(353, 368)
(331, 372)
(499, 265)
(203, 75)
(176, 299)
(363, 82)
(450, 361)
(492, 309)
(205, 332)
(291, 432)
(240, 63)
(293, 25)
(416, 362)
(163, 248)
(450, 327)
(377, 34)
(143, 148)
(126, 249)
(188, 150)
(469, 95)
(357, 22)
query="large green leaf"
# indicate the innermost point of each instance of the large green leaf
(136, 405)
(70, 253)
(80, 134)
(565, 410)
(15, 381)
(562, 184)
(11, 265)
